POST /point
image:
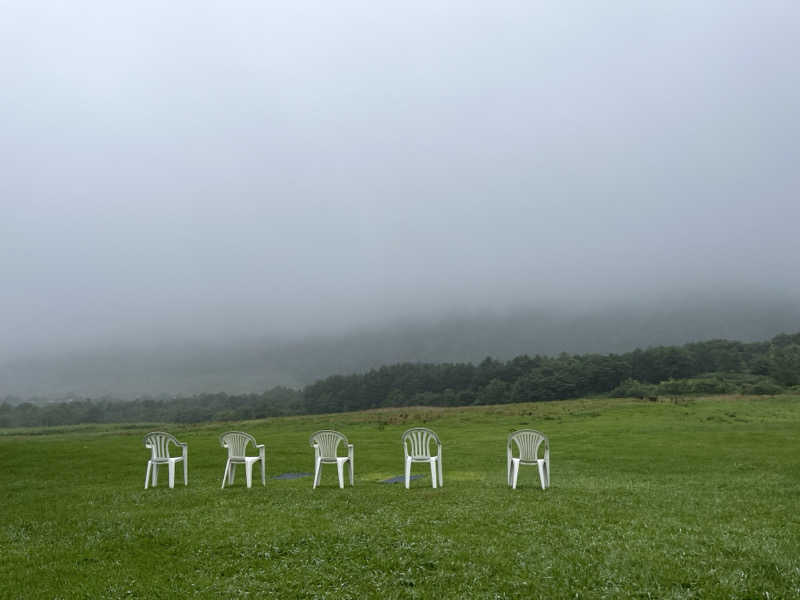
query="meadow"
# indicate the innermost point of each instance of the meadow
(696, 498)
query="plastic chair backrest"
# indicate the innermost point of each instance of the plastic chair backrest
(327, 441)
(158, 442)
(236, 442)
(420, 438)
(528, 442)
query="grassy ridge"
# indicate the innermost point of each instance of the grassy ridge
(690, 500)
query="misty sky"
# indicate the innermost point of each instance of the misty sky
(189, 169)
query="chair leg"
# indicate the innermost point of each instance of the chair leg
(185, 471)
(408, 472)
(317, 469)
(232, 474)
(350, 462)
(147, 474)
(508, 471)
(155, 474)
(433, 474)
(340, 469)
(515, 474)
(171, 474)
(263, 472)
(248, 474)
(225, 474)
(542, 473)
(439, 463)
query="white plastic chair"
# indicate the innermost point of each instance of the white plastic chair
(326, 444)
(528, 442)
(158, 442)
(417, 448)
(236, 442)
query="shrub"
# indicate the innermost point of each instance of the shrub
(762, 388)
(631, 388)
(710, 386)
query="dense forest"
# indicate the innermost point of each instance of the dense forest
(710, 367)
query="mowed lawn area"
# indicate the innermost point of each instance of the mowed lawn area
(695, 498)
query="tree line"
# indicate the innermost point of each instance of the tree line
(716, 366)
(277, 402)
(710, 367)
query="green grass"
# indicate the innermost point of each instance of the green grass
(648, 500)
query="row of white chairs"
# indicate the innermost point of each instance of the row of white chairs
(420, 445)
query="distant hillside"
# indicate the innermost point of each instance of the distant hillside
(699, 368)
(259, 364)
(709, 367)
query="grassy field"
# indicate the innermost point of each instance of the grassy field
(697, 499)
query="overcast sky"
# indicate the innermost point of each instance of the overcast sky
(189, 169)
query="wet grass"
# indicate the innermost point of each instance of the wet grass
(693, 499)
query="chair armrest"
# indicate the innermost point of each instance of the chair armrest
(259, 445)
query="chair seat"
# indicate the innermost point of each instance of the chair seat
(334, 460)
(242, 460)
(166, 460)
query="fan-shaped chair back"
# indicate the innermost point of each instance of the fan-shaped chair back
(528, 442)
(327, 441)
(236, 442)
(417, 442)
(158, 442)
